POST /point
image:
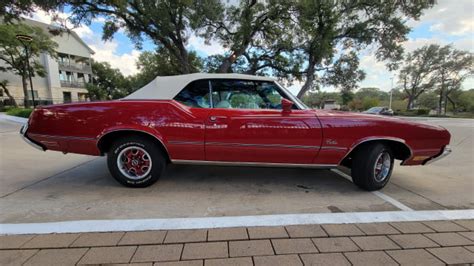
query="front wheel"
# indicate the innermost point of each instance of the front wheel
(372, 166)
(135, 162)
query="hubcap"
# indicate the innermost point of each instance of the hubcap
(382, 166)
(134, 162)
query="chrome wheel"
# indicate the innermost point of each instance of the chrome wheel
(382, 167)
(134, 162)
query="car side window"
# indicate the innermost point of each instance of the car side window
(271, 95)
(245, 94)
(195, 94)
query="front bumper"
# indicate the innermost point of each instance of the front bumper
(23, 130)
(446, 151)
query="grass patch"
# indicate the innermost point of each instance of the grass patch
(21, 112)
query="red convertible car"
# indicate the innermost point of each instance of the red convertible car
(230, 119)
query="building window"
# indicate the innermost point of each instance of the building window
(62, 75)
(35, 93)
(65, 76)
(63, 59)
(69, 76)
(81, 77)
(67, 97)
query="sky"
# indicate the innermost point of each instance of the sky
(448, 22)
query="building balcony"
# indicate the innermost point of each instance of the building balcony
(73, 84)
(83, 68)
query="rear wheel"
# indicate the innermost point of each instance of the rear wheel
(135, 162)
(372, 166)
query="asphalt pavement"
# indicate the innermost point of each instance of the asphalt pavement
(48, 186)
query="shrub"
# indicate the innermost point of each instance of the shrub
(423, 112)
(21, 112)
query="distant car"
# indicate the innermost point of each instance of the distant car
(230, 119)
(379, 111)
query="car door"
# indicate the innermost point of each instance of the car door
(247, 124)
(185, 122)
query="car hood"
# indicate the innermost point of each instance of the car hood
(374, 117)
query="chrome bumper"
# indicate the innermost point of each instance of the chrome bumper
(446, 151)
(23, 130)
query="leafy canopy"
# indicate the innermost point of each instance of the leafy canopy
(12, 51)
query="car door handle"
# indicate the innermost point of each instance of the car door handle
(215, 118)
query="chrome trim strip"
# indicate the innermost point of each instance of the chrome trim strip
(257, 164)
(210, 95)
(379, 138)
(136, 130)
(62, 137)
(263, 145)
(446, 151)
(333, 148)
(23, 130)
(179, 142)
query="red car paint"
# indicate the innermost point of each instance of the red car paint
(307, 137)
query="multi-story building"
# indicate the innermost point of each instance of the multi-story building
(67, 74)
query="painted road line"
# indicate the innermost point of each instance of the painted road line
(379, 194)
(232, 221)
(15, 119)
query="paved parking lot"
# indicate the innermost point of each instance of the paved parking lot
(49, 186)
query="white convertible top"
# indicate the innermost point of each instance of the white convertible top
(166, 88)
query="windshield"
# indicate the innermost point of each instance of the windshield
(295, 99)
(374, 110)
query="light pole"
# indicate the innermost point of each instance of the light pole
(391, 94)
(25, 39)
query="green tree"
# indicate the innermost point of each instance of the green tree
(435, 67)
(322, 26)
(257, 33)
(167, 23)
(372, 93)
(453, 67)
(428, 100)
(108, 82)
(370, 102)
(315, 40)
(416, 75)
(12, 52)
(10, 11)
(4, 88)
(160, 63)
(316, 99)
(464, 100)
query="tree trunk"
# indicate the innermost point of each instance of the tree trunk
(306, 87)
(7, 92)
(309, 81)
(440, 101)
(225, 66)
(411, 99)
(446, 103)
(25, 92)
(452, 103)
(186, 67)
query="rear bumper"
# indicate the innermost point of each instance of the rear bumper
(23, 130)
(445, 152)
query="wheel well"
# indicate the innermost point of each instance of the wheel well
(105, 142)
(400, 150)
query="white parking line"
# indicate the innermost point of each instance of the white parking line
(379, 194)
(232, 221)
(12, 118)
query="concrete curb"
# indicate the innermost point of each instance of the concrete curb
(15, 119)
